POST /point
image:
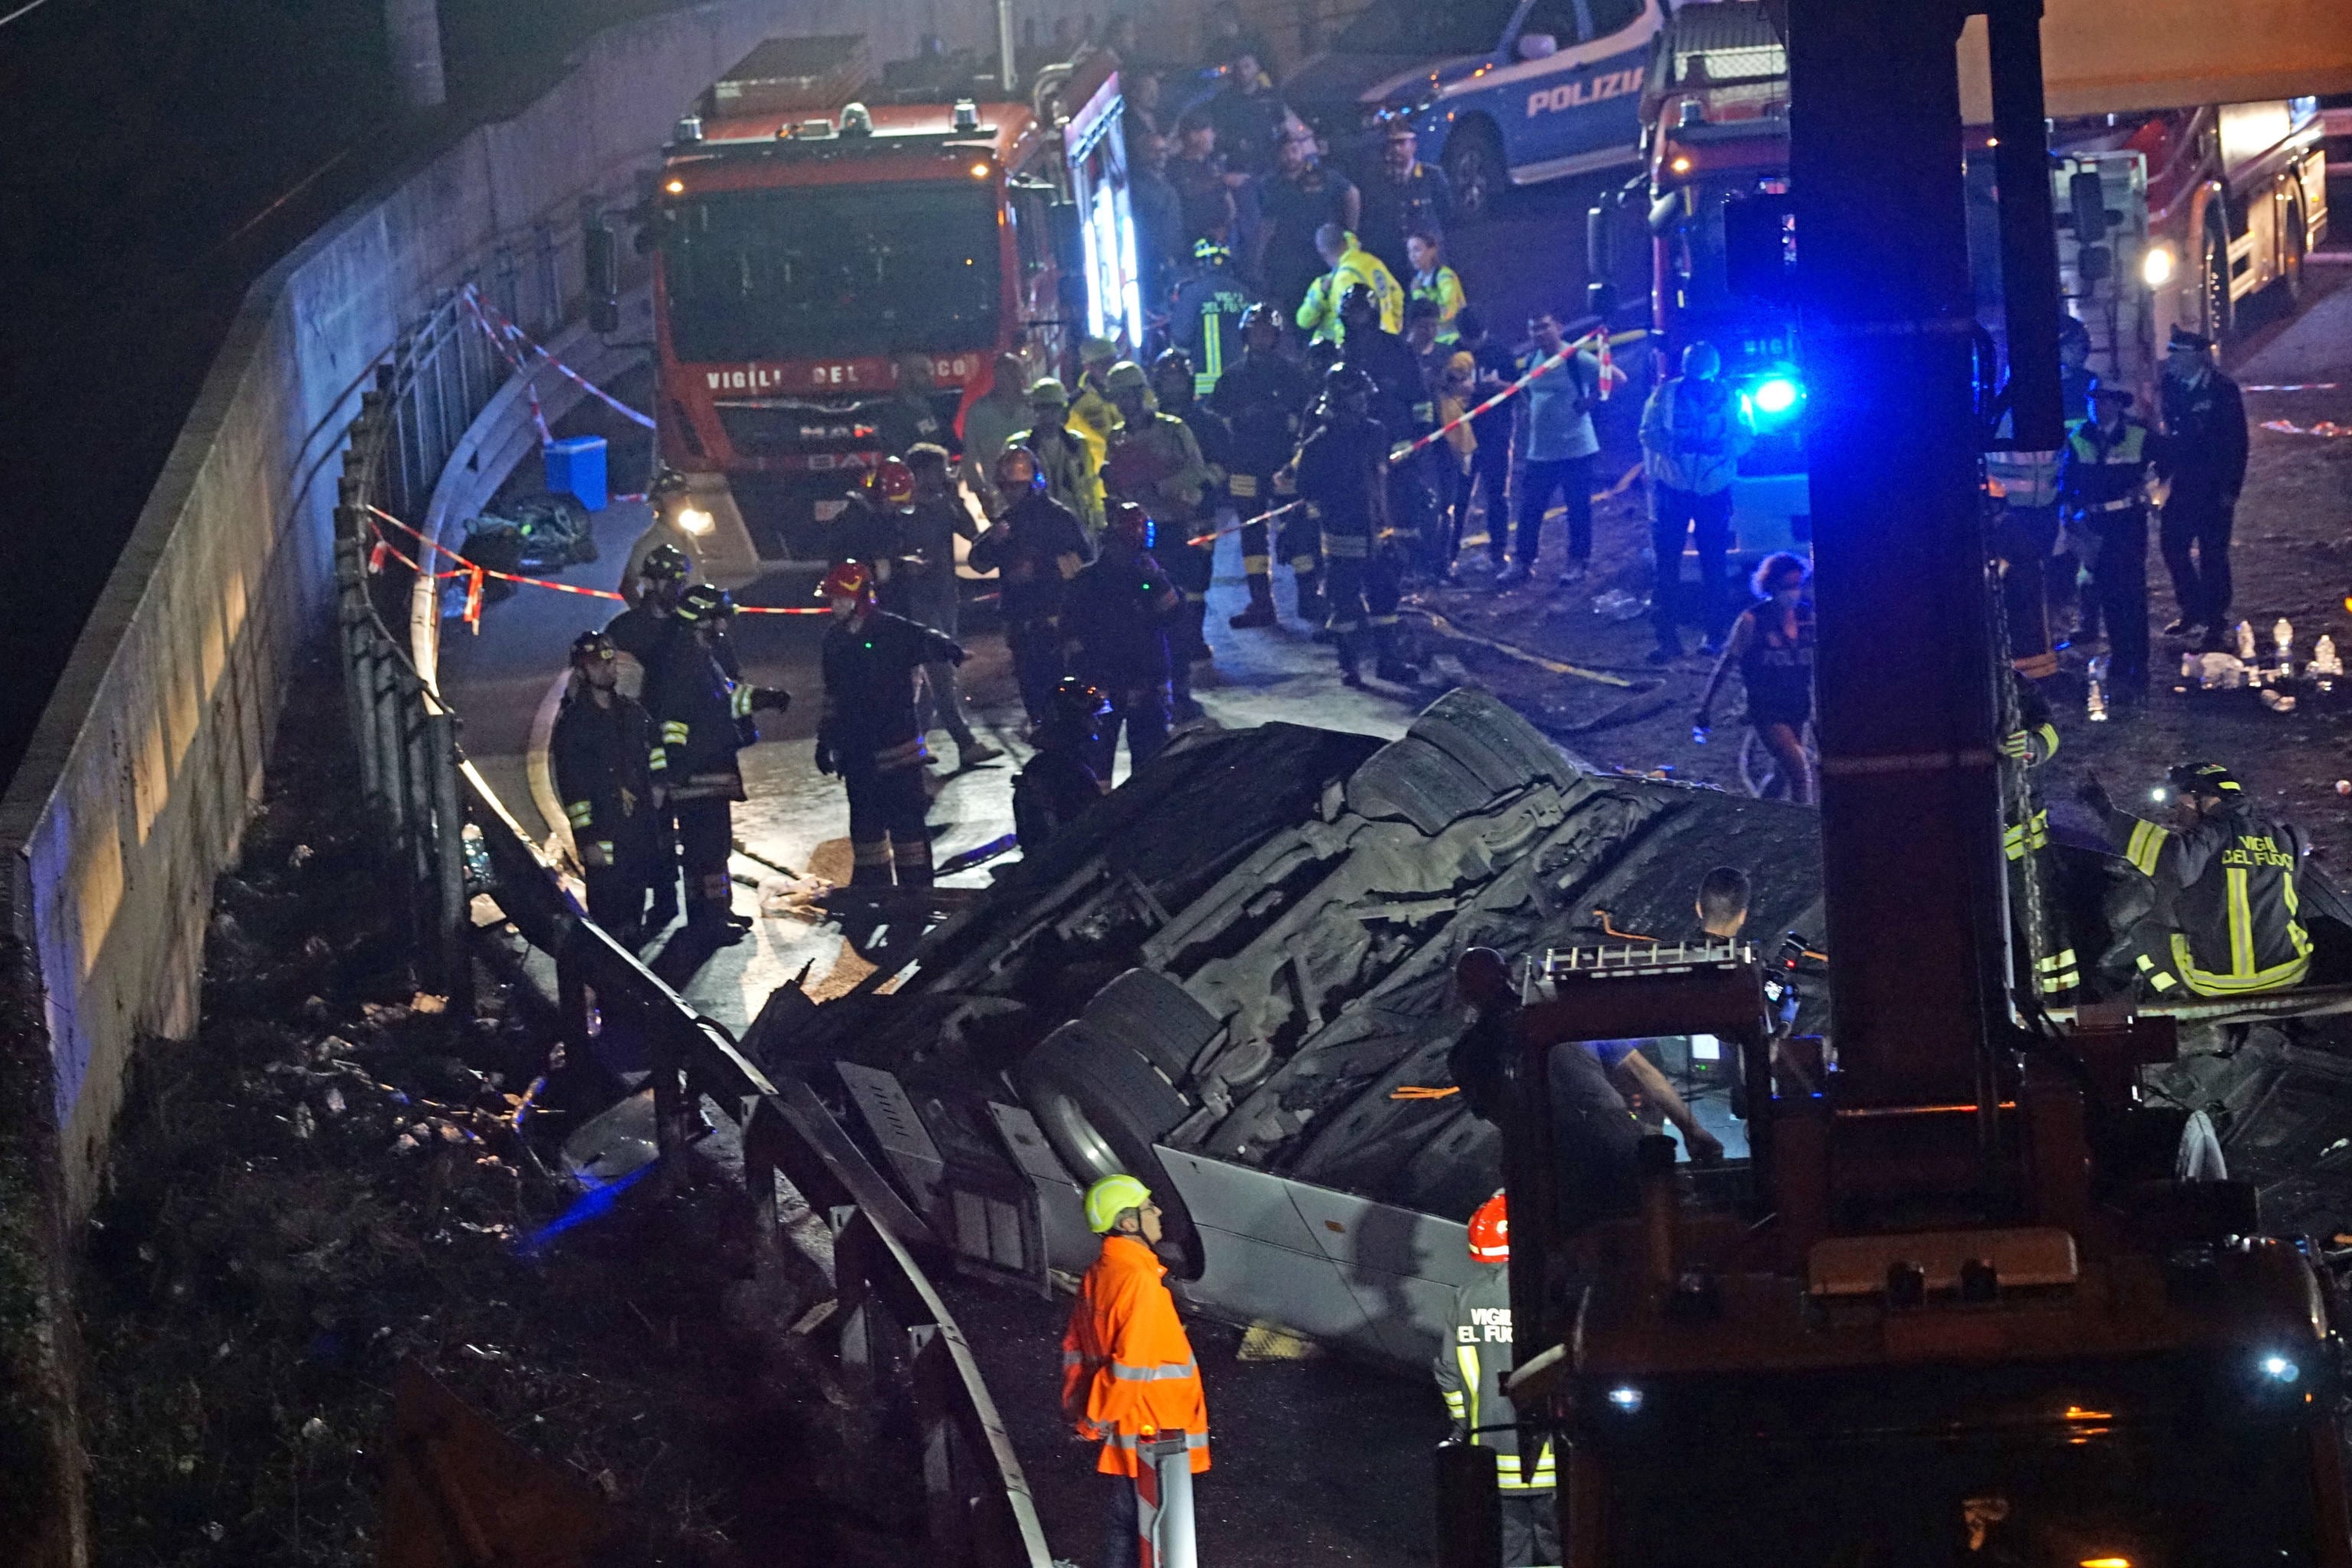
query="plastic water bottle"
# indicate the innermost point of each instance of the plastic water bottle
(2096, 707)
(2325, 666)
(2283, 645)
(2245, 642)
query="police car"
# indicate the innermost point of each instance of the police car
(1501, 91)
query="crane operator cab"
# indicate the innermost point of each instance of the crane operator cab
(1893, 1334)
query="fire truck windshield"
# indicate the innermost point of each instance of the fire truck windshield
(823, 271)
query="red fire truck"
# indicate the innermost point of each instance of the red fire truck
(812, 231)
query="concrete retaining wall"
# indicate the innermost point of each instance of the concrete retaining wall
(139, 780)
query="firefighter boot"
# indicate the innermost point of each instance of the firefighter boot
(1390, 661)
(1260, 612)
(709, 913)
(869, 863)
(1195, 627)
(1350, 657)
(1309, 575)
(912, 857)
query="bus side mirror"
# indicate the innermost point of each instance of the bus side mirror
(601, 260)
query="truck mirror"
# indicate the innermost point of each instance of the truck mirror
(600, 260)
(2088, 202)
(1061, 222)
(1601, 299)
(2094, 264)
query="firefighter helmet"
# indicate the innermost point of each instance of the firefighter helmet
(1359, 298)
(892, 483)
(1128, 523)
(850, 579)
(1127, 376)
(665, 564)
(1490, 1232)
(1343, 382)
(1048, 393)
(666, 482)
(1017, 470)
(703, 602)
(1171, 362)
(1076, 705)
(1097, 351)
(2204, 778)
(1111, 1197)
(591, 646)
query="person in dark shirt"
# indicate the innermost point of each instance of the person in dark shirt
(1303, 195)
(1036, 547)
(910, 417)
(1248, 114)
(1116, 619)
(1228, 35)
(925, 574)
(1489, 480)
(1202, 180)
(1159, 215)
(1401, 196)
(2203, 456)
(1057, 787)
(705, 718)
(607, 769)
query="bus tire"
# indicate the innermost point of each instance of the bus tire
(1102, 1106)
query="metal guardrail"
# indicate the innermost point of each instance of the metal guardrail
(896, 1342)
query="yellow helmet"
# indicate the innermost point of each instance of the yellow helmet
(1111, 1197)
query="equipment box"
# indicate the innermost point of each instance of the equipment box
(575, 467)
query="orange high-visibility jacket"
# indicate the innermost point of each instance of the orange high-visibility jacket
(1127, 1367)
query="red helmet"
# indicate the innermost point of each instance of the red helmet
(1490, 1232)
(1128, 523)
(850, 579)
(890, 482)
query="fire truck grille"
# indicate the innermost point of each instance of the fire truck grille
(790, 429)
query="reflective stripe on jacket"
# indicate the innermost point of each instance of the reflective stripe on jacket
(1127, 1366)
(2230, 884)
(1318, 313)
(2097, 473)
(1471, 1367)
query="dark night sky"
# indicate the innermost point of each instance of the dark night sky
(142, 137)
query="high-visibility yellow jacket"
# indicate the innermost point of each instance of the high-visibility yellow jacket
(1127, 1366)
(1318, 313)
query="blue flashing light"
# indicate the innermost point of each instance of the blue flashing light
(2279, 1369)
(1777, 395)
(1626, 1398)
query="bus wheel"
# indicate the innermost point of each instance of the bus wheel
(2214, 307)
(2291, 258)
(1473, 167)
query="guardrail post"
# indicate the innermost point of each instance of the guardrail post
(1163, 1487)
(416, 773)
(449, 859)
(935, 1426)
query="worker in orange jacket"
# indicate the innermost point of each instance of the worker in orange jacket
(1127, 1369)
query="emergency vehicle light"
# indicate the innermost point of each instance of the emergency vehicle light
(1625, 1398)
(1776, 396)
(690, 128)
(695, 520)
(2279, 1369)
(2156, 267)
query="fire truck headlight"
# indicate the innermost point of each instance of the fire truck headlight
(694, 521)
(1625, 1399)
(2155, 265)
(2279, 1369)
(980, 171)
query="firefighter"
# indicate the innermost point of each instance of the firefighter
(2203, 455)
(705, 719)
(1071, 467)
(1036, 547)
(1351, 265)
(1172, 382)
(1114, 623)
(1155, 462)
(1402, 406)
(1471, 1367)
(1205, 320)
(1094, 412)
(871, 525)
(867, 734)
(2102, 496)
(652, 592)
(2225, 920)
(1057, 787)
(1126, 1366)
(1262, 400)
(2031, 739)
(608, 772)
(925, 573)
(1343, 472)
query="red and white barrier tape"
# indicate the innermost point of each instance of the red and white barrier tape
(2294, 386)
(513, 342)
(2324, 427)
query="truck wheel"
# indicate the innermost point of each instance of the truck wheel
(2214, 283)
(1102, 1107)
(1473, 167)
(2290, 282)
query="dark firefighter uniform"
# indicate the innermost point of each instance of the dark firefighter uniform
(1035, 547)
(1470, 1370)
(2025, 840)
(1262, 400)
(2226, 899)
(1216, 439)
(1117, 620)
(868, 734)
(1205, 320)
(1402, 405)
(1057, 787)
(704, 718)
(607, 762)
(1342, 475)
(1157, 464)
(2102, 492)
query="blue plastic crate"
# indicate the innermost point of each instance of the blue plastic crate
(575, 467)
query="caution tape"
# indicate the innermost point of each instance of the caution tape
(513, 342)
(2294, 386)
(2324, 427)
(477, 572)
(1512, 650)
